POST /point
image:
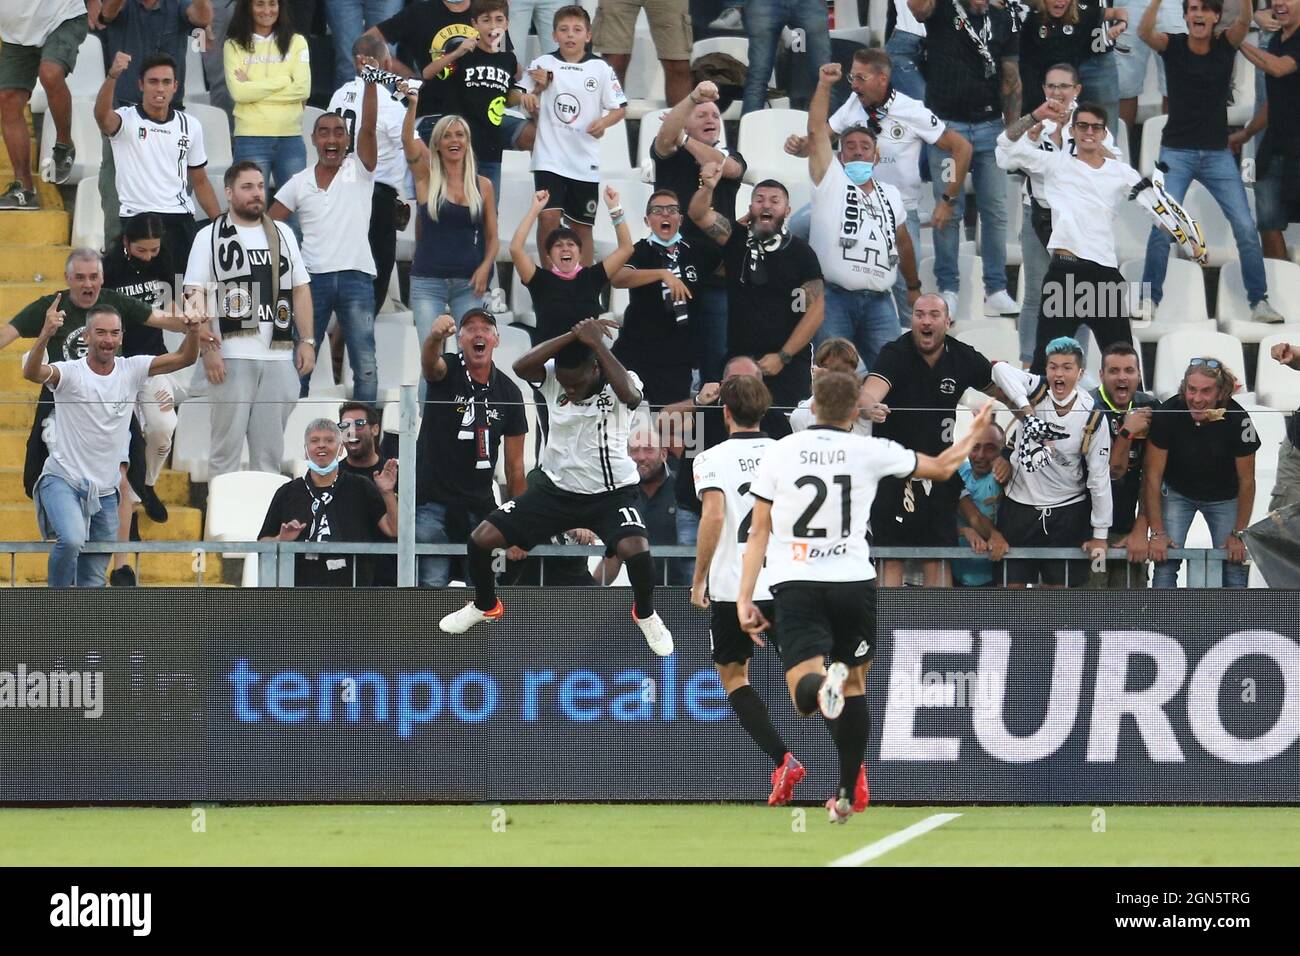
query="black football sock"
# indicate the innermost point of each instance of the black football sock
(851, 741)
(753, 715)
(641, 575)
(482, 577)
(832, 726)
(805, 693)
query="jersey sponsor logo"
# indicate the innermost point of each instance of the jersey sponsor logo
(508, 506)
(802, 551)
(948, 386)
(567, 108)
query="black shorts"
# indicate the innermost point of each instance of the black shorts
(905, 515)
(545, 510)
(577, 198)
(1027, 527)
(836, 620)
(730, 643)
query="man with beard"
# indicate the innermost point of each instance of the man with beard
(928, 371)
(1060, 457)
(690, 137)
(1194, 145)
(664, 276)
(1128, 415)
(361, 426)
(76, 494)
(774, 286)
(247, 271)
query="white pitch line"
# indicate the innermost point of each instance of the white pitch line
(892, 842)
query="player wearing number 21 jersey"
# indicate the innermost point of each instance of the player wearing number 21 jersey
(812, 502)
(587, 479)
(723, 475)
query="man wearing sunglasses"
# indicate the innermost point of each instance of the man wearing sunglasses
(361, 427)
(1083, 284)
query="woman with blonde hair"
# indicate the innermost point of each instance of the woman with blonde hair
(1200, 458)
(456, 222)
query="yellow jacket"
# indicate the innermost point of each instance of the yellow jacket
(270, 101)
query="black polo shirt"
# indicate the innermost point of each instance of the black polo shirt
(959, 87)
(1127, 492)
(560, 304)
(913, 383)
(447, 449)
(655, 341)
(1202, 462)
(349, 510)
(761, 315)
(680, 172)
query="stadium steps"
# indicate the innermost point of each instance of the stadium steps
(18, 517)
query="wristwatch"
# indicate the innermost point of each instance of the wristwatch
(1125, 433)
(1237, 535)
(311, 342)
(785, 357)
(950, 199)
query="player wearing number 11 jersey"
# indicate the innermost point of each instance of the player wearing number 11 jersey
(812, 501)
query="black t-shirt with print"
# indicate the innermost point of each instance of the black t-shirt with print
(448, 464)
(1045, 43)
(348, 510)
(1202, 462)
(69, 343)
(478, 85)
(383, 566)
(1127, 492)
(560, 304)
(914, 383)
(1199, 87)
(145, 282)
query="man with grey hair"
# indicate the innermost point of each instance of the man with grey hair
(329, 505)
(76, 494)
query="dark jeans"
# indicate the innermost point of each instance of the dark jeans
(383, 238)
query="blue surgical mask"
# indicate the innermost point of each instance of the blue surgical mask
(666, 242)
(322, 469)
(858, 171)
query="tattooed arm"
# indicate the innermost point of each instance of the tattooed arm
(702, 213)
(1010, 91)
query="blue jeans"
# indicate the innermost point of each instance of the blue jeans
(347, 20)
(351, 296)
(279, 156)
(1221, 516)
(431, 298)
(688, 529)
(60, 504)
(434, 571)
(1100, 78)
(708, 330)
(542, 14)
(867, 319)
(763, 22)
(1216, 170)
(900, 283)
(904, 48)
(991, 200)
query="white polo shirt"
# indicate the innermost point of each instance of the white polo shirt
(346, 102)
(905, 124)
(153, 161)
(335, 221)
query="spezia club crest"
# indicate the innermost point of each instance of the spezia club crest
(282, 316)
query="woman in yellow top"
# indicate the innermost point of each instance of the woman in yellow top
(268, 73)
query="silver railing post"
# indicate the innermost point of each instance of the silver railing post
(266, 577)
(406, 490)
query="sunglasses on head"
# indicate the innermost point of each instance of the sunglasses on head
(1209, 363)
(353, 423)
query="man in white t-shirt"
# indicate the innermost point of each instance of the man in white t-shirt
(158, 154)
(94, 399)
(902, 126)
(812, 504)
(390, 169)
(859, 232)
(333, 201)
(258, 300)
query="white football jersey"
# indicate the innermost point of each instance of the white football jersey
(154, 160)
(578, 95)
(731, 467)
(821, 483)
(586, 442)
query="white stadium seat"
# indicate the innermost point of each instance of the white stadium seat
(1241, 106)
(309, 114)
(216, 143)
(1173, 352)
(615, 154)
(86, 139)
(1183, 304)
(762, 142)
(516, 200)
(1149, 99)
(196, 90)
(321, 385)
(88, 216)
(996, 342)
(1202, 207)
(1233, 308)
(1277, 385)
(970, 297)
(87, 74)
(1152, 130)
(237, 505)
(645, 78)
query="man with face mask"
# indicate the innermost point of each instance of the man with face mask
(774, 286)
(329, 505)
(664, 277)
(859, 232)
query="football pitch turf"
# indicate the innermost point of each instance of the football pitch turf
(639, 835)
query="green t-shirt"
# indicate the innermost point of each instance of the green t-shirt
(69, 343)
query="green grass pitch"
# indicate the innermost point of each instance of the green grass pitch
(675, 835)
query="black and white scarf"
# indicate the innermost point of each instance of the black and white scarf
(857, 206)
(474, 423)
(670, 260)
(247, 281)
(980, 38)
(755, 271)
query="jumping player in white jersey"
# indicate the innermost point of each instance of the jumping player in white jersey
(586, 478)
(723, 475)
(812, 502)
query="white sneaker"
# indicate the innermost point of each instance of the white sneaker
(839, 809)
(1145, 311)
(1000, 303)
(656, 633)
(830, 696)
(458, 622)
(951, 299)
(1261, 311)
(728, 19)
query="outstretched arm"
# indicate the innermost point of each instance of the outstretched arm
(717, 227)
(1152, 37)
(820, 153)
(524, 264)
